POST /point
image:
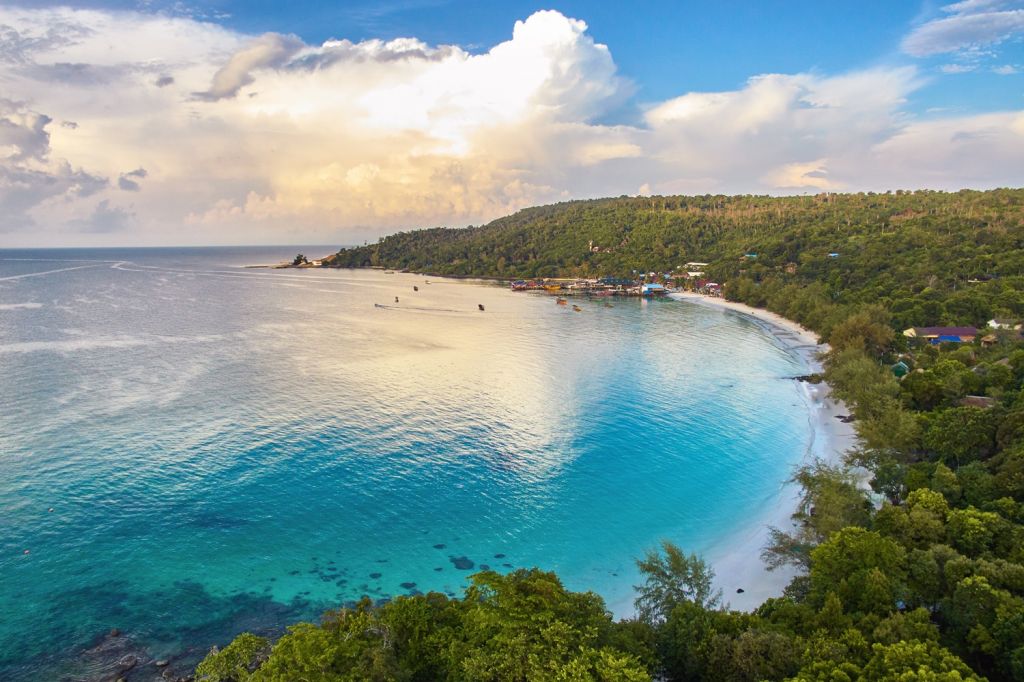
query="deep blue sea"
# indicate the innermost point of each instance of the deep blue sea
(190, 449)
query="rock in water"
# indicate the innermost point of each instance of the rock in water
(462, 563)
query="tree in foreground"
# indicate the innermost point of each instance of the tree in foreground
(520, 627)
(672, 578)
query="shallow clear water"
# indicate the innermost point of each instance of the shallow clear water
(227, 449)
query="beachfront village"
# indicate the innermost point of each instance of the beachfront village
(687, 277)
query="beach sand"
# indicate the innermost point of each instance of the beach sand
(736, 560)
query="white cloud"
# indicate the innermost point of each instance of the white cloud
(813, 174)
(342, 141)
(957, 68)
(971, 24)
(780, 131)
(28, 177)
(129, 182)
(269, 50)
(105, 218)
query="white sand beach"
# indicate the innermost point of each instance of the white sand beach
(737, 559)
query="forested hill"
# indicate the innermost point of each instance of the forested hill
(892, 247)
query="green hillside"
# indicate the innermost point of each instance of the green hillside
(892, 247)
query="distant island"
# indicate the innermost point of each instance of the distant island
(920, 577)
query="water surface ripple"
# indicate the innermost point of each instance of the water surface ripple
(228, 449)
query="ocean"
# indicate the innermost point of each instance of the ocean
(190, 448)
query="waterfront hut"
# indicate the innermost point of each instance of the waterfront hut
(900, 369)
(652, 289)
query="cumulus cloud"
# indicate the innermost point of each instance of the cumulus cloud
(267, 51)
(28, 176)
(782, 131)
(970, 24)
(23, 134)
(105, 218)
(128, 181)
(346, 140)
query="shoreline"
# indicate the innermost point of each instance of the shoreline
(736, 559)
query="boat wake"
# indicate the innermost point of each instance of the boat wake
(418, 309)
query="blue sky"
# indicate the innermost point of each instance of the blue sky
(218, 121)
(664, 47)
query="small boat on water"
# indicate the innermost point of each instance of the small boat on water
(577, 309)
(561, 301)
(480, 306)
(415, 288)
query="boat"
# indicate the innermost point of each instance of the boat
(552, 287)
(561, 301)
(577, 309)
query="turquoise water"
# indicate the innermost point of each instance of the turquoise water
(227, 449)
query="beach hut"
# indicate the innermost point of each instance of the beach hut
(652, 289)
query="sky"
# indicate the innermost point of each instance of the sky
(151, 122)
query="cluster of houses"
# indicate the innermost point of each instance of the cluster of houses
(689, 276)
(935, 335)
(604, 286)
